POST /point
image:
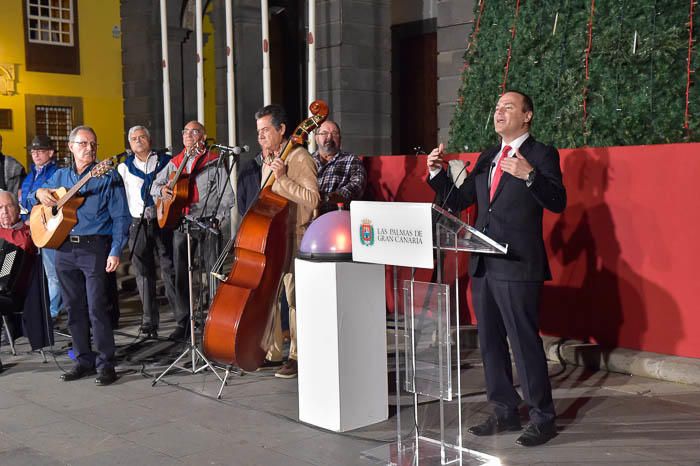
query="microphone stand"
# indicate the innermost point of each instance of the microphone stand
(220, 260)
(192, 348)
(143, 211)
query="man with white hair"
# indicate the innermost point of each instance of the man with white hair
(15, 232)
(146, 239)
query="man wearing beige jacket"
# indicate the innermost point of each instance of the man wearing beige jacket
(294, 179)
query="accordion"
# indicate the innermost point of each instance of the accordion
(15, 266)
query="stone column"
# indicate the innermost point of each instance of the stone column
(454, 24)
(353, 56)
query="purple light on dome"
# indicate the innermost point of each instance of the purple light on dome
(328, 238)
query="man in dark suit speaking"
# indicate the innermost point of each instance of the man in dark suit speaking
(511, 183)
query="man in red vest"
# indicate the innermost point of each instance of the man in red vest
(208, 182)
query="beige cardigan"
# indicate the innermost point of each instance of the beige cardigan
(300, 186)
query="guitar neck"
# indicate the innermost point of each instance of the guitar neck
(72, 191)
(173, 182)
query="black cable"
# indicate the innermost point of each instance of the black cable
(454, 183)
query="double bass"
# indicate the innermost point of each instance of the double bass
(240, 315)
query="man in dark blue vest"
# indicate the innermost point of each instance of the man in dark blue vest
(146, 239)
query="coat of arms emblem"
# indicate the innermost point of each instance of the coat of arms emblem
(366, 232)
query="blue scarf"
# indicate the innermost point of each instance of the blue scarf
(163, 160)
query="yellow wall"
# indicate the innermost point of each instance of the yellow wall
(209, 75)
(99, 82)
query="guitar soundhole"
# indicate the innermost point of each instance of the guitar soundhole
(54, 211)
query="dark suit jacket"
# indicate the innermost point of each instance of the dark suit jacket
(249, 178)
(515, 215)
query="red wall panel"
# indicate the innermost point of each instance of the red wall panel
(622, 254)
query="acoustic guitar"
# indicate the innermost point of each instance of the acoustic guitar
(169, 211)
(50, 225)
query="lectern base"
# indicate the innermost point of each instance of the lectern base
(427, 452)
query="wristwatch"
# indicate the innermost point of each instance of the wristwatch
(530, 178)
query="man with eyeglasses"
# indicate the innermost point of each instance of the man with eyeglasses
(42, 169)
(208, 182)
(295, 179)
(88, 255)
(341, 176)
(146, 238)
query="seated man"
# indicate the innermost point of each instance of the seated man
(16, 233)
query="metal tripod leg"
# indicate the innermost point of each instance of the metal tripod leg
(229, 370)
(192, 346)
(9, 336)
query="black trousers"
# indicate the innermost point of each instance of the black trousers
(85, 290)
(205, 250)
(151, 242)
(509, 310)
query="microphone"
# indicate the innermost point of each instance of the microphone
(236, 150)
(454, 183)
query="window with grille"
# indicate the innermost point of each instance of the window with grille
(57, 123)
(50, 22)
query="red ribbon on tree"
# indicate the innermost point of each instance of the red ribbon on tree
(510, 47)
(688, 68)
(588, 55)
(475, 32)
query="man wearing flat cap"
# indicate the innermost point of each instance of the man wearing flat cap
(44, 165)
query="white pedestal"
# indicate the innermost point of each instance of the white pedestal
(341, 338)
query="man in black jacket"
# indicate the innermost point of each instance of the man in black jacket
(512, 183)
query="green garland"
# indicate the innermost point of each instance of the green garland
(637, 72)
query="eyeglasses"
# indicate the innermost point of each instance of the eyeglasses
(324, 134)
(194, 131)
(84, 144)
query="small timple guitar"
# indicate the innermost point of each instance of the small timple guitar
(169, 211)
(50, 225)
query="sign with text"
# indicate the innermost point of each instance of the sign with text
(393, 233)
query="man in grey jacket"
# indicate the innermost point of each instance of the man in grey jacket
(11, 172)
(208, 182)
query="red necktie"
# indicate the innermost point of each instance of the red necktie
(498, 172)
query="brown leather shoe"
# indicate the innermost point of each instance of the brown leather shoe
(288, 370)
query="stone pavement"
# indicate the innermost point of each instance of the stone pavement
(604, 418)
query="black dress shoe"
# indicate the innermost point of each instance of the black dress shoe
(106, 377)
(537, 434)
(149, 331)
(494, 425)
(178, 334)
(78, 372)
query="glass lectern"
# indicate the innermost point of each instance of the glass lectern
(427, 352)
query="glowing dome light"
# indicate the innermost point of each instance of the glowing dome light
(328, 238)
